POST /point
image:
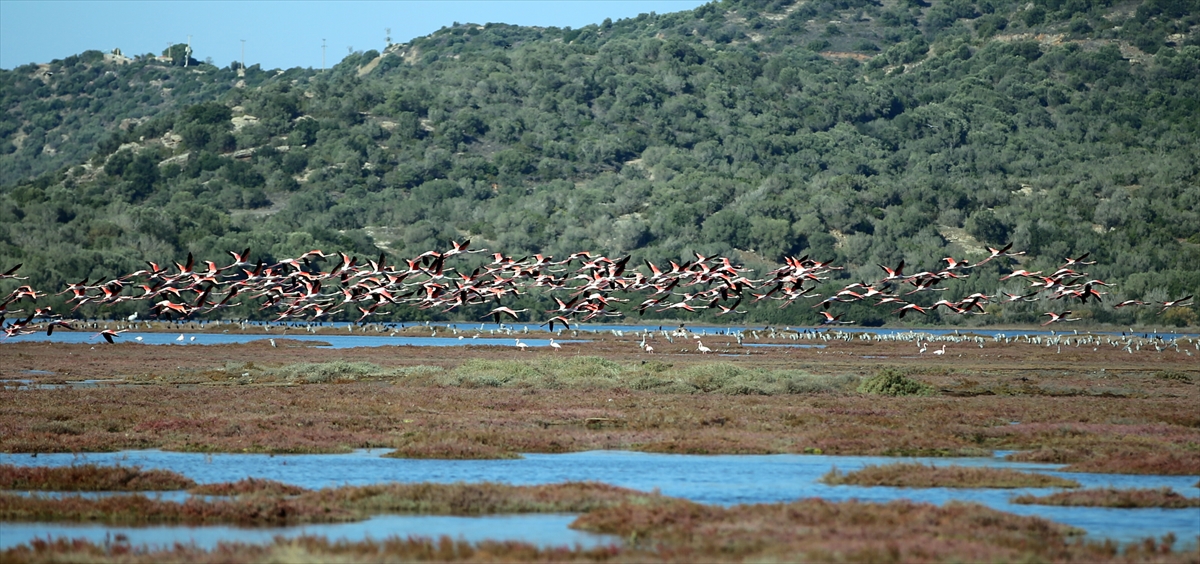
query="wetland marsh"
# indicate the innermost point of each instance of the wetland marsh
(606, 411)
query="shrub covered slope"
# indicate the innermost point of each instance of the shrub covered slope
(866, 132)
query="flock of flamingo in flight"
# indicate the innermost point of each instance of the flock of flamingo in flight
(316, 286)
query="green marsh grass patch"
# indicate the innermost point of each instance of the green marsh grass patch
(892, 382)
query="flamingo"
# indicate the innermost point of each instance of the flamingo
(1024, 273)
(1176, 303)
(460, 248)
(910, 307)
(12, 273)
(314, 254)
(1130, 302)
(700, 347)
(893, 273)
(495, 313)
(997, 253)
(940, 351)
(294, 286)
(1017, 298)
(1005, 252)
(224, 303)
(29, 292)
(952, 306)
(240, 260)
(17, 330)
(833, 320)
(955, 264)
(366, 312)
(559, 319)
(1078, 260)
(108, 334)
(680, 305)
(185, 268)
(1055, 317)
(521, 345)
(57, 323)
(553, 345)
(725, 310)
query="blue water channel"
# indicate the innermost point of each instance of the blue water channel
(720, 480)
(464, 334)
(544, 530)
(334, 341)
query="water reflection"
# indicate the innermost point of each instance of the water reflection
(722, 479)
(177, 496)
(542, 530)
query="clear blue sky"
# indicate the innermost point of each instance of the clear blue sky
(278, 34)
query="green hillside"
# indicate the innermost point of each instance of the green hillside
(856, 131)
(58, 113)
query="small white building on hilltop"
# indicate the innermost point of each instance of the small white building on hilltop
(117, 57)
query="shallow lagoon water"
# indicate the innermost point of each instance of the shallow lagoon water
(785, 345)
(334, 341)
(541, 530)
(721, 480)
(503, 335)
(703, 330)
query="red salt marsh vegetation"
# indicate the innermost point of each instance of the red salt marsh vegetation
(247, 486)
(672, 530)
(142, 510)
(917, 475)
(1106, 410)
(822, 531)
(90, 478)
(1112, 497)
(274, 506)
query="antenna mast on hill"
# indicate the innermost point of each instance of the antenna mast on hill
(243, 53)
(187, 53)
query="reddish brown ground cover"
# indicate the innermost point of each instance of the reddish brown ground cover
(247, 486)
(140, 509)
(90, 478)
(917, 475)
(815, 530)
(1105, 410)
(671, 530)
(279, 506)
(1112, 497)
